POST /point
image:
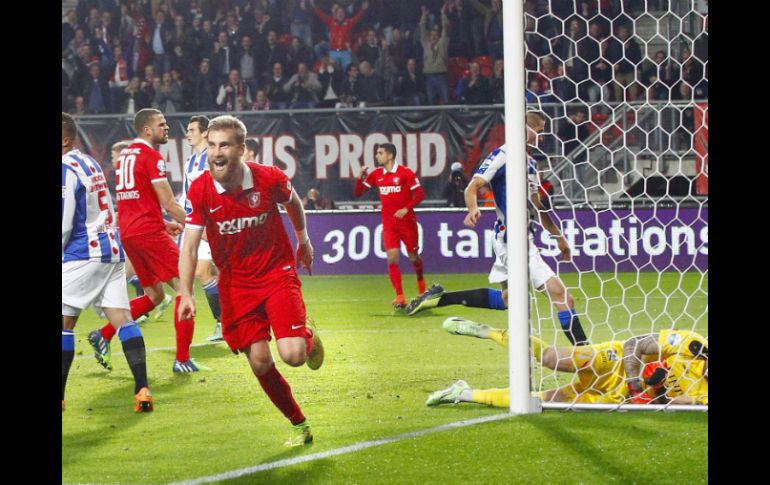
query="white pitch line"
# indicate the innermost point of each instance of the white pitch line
(339, 451)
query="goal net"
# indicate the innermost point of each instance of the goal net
(623, 164)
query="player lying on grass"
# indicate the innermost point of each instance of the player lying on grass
(600, 375)
(492, 172)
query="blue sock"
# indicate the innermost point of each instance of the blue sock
(67, 355)
(212, 296)
(496, 299)
(133, 348)
(570, 323)
(134, 281)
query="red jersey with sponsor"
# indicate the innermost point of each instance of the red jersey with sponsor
(395, 188)
(244, 228)
(138, 167)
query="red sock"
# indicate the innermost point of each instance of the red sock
(395, 278)
(184, 334)
(139, 306)
(279, 391)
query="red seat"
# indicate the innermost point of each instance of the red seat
(285, 39)
(456, 69)
(317, 66)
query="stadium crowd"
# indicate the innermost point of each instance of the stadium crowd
(119, 56)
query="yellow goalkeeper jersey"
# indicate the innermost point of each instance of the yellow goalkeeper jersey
(601, 376)
(677, 342)
(686, 378)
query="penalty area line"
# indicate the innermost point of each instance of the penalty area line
(340, 451)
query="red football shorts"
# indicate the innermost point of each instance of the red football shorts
(248, 313)
(393, 234)
(154, 256)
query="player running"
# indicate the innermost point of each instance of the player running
(92, 263)
(237, 204)
(142, 189)
(205, 271)
(400, 192)
(542, 277)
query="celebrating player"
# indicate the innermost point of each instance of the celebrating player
(197, 130)
(400, 192)
(237, 204)
(142, 189)
(92, 263)
(542, 277)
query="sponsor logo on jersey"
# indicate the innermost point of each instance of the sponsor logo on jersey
(674, 339)
(129, 194)
(390, 189)
(254, 199)
(234, 226)
(612, 356)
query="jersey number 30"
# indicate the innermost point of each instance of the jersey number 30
(125, 172)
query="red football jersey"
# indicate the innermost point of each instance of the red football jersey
(244, 229)
(137, 168)
(395, 189)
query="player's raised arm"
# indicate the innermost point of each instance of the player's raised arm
(633, 350)
(296, 213)
(167, 200)
(361, 184)
(548, 224)
(472, 201)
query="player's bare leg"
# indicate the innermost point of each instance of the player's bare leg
(296, 351)
(416, 261)
(394, 272)
(133, 348)
(565, 304)
(277, 389)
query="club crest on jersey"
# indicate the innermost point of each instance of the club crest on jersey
(395, 180)
(254, 199)
(674, 339)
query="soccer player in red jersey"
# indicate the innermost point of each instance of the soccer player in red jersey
(236, 203)
(142, 189)
(400, 192)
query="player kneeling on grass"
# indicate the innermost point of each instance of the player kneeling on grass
(236, 203)
(93, 263)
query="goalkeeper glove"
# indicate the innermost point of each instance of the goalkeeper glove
(635, 390)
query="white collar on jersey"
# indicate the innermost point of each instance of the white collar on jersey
(395, 167)
(142, 140)
(248, 180)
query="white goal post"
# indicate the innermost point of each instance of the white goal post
(624, 88)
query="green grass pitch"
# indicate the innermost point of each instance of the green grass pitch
(379, 369)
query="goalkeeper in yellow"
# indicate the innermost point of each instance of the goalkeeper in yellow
(685, 356)
(600, 375)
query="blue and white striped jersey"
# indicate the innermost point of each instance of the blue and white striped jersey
(492, 170)
(88, 231)
(195, 166)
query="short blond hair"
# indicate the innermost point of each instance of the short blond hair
(227, 122)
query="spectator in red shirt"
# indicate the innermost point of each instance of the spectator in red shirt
(340, 32)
